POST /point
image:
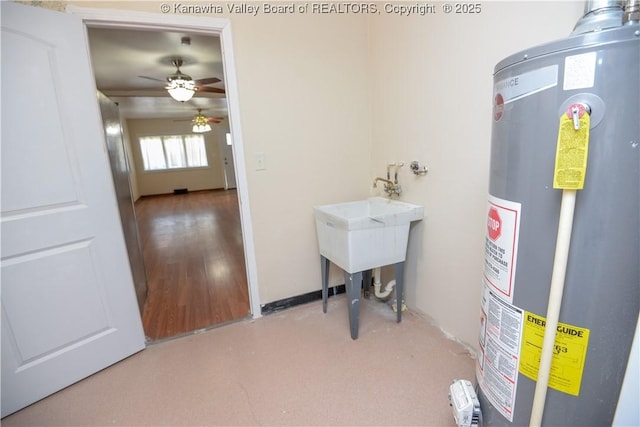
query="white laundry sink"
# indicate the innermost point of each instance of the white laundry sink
(364, 234)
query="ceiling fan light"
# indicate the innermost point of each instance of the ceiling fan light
(201, 128)
(181, 90)
(200, 123)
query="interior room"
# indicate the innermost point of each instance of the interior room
(317, 106)
(190, 273)
(193, 273)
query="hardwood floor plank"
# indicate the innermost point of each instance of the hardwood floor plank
(194, 259)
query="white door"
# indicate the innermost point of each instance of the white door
(68, 302)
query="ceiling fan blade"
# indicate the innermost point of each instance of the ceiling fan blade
(207, 81)
(210, 89)
(152, 78)
(209, 119)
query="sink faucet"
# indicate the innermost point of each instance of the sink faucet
(390, 187)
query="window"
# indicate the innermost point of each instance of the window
(173, 152)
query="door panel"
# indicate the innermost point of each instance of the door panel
(58, 188)
(63, 274)
(68, 303)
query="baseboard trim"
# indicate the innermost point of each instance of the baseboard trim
(179, 191)
(275, 306)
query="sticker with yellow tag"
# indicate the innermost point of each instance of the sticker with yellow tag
(572, 149)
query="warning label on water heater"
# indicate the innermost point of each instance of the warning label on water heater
(501, 245)
(569, 353)
(499, 355)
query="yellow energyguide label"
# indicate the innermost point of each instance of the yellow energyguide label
(571, 153)
(569, 353)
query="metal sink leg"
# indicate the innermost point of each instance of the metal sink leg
(353, 284)
(324, 272)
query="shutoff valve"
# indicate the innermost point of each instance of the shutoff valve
(464, 403)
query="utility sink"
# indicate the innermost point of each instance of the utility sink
(365, 234)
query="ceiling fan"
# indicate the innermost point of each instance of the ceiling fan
(202, 118)
(201, 123)
(185, 83)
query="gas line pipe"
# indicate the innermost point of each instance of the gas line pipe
(573, 136)
(563, 242)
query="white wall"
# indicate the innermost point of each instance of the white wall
(305, 104)
(149, 183)
(331, 99)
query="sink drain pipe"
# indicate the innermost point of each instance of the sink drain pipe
(377, 285)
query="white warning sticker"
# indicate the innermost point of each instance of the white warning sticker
(501, 245)
(499, 355)
(579, 71)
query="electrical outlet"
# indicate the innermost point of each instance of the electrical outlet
(260, 162)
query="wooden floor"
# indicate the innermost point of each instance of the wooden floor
(194, 260)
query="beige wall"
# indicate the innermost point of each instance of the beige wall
(330, 100)
(432, 87)
(149, 183)
(305, 103)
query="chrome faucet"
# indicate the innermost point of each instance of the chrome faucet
(390, 187)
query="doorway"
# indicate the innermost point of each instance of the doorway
(194, 259)
(217, 29)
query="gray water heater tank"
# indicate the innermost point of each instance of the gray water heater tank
(532, 91)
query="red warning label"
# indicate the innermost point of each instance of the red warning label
(494, 224)
(501, 246)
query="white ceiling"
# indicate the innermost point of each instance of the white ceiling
(121, 56)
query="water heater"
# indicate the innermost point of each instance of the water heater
(579, 96)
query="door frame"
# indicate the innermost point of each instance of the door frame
(220, 27)
(224, 155)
